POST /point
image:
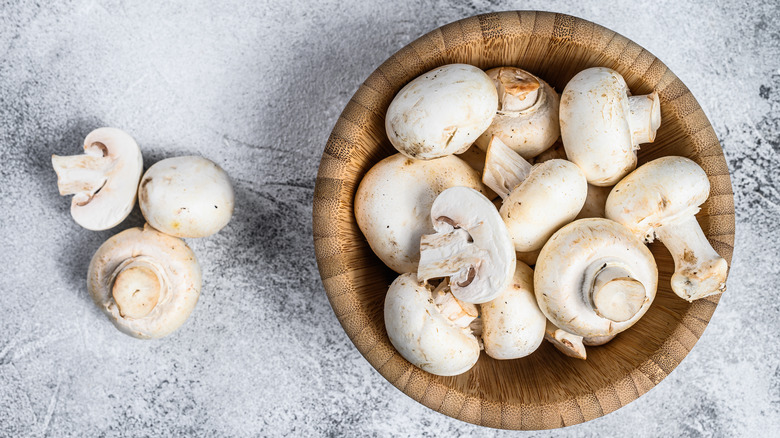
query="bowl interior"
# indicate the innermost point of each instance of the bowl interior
(546, 389)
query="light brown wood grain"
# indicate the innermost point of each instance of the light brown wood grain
(547, 389)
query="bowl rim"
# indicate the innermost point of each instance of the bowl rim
(334, 195)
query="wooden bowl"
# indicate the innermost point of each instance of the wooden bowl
(547, 389)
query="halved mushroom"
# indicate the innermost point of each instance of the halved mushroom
(527, 115)
(146, 282)
(441, 112)
(567, 343)
(104, 179)
(430, 330)
(512, 324)
(595, 278)
(602, 127)
(549, 198)
(504, 168)
(393, 204)
(471, 246)
(186, 197)
(660, 200)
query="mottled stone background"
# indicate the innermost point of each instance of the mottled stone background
(257, 87)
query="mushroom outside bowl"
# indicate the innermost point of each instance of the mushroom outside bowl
(546, 389)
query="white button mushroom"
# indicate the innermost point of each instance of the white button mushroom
(660, 199)
(146, 282)
(186, 197)
(441, 112)
(104, 179)
(595, 278)
(527, 116)
(431, 332)
(602, 127)
(393, 204)
(549, 198)
(471, 246)
(595, 202)
(512, 324)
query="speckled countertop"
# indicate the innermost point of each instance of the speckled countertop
(257, 87)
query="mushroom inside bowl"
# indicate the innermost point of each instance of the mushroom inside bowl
(545, 389)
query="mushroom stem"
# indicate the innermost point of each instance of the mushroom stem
(699, 271)
(449, 254)
(644, 118)
(81, 174)
(567, 343)
(504, 169)
(138, 286)
(517, 89)
(615, 294)
(460, 313)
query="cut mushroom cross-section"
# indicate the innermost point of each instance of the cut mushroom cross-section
(595, 278)
(471, 246)
(146, 282)
(393, 204)
(660, 199)
(104, 180)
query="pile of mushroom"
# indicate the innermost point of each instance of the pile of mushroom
(538, 180)
(146, 280)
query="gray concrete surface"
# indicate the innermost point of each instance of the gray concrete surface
(257, 87)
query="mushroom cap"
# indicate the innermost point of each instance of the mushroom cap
(176, 265)
(114, 201)
(594, 120)
(186, 196)
(527, 116)
(422, 334)
(566, 267)
(549, 198)
(441, 112)
(469, 210)
(393, 204)
(512, 324)
(664, 191)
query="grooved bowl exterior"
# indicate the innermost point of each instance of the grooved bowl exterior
(547, 389)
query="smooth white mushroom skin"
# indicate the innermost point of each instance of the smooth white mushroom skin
(596, 341)
(602, 127)
(422, 334)
(441, 112)
(512, 324)
(393, 204)
(104, 179)
(567, 343)
(569, 274)
(660, 200)
(549, 198)
(145, 281)
(471, 246)
(595, 202)
(527, 116)
(186, 197)
(504, 168)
